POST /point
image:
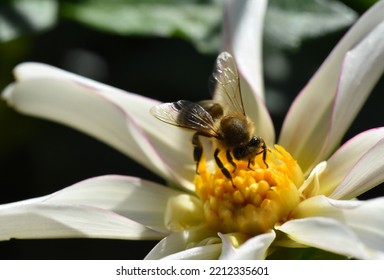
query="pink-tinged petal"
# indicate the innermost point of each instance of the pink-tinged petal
(329, 235)
(118, 118)
(129, 199)
(134, 198)
(178, 242)
(44, 220)
(367, 173)
(314, 124)
(340, 164)
(76, 106)
(364, 218)
(359, 73)
(243, 31)
(254, 248)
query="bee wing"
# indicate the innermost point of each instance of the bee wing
(186, 114)
(225, 83)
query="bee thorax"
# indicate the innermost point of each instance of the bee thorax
(234, 131)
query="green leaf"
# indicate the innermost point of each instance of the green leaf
(20, 17)
(195, 21)
(288, 23)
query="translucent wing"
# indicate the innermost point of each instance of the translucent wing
(186, 114)
(225, 84)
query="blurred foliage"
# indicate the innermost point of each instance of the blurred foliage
(194, 21)
(288, 22)
(19, 17)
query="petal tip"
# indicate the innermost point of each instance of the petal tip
(8, 92)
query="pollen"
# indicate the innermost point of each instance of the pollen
(257, 198)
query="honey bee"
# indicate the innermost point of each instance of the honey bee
(223, 119)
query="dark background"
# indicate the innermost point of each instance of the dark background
(38, 157)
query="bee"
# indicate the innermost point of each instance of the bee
(223, 120)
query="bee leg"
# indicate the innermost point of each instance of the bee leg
(197, 150)
(264, 151)
(264, 157)
(221, 166)
(230, 160)
(249, 163)
(265, 154)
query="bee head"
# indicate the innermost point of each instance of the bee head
(254, 147)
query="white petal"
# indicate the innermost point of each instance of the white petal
(340, 164)
(310, 119)
(311, 185)
(132, 200)
(44, 220)
(139, 200)
(254, 248)
(183, 211)
(181, 241)
(367, 221)
(206, 252)
(243, 34)
(359, 74)
(119, 118)
(329, 235)
(367, 173)
(364, 218)
(258, 113)
(321, 206)
(76, 106)
(243, 31)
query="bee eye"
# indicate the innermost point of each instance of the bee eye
(255, 141)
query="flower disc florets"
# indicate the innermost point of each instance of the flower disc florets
(259, 197)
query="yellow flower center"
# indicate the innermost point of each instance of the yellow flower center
(259, 197)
